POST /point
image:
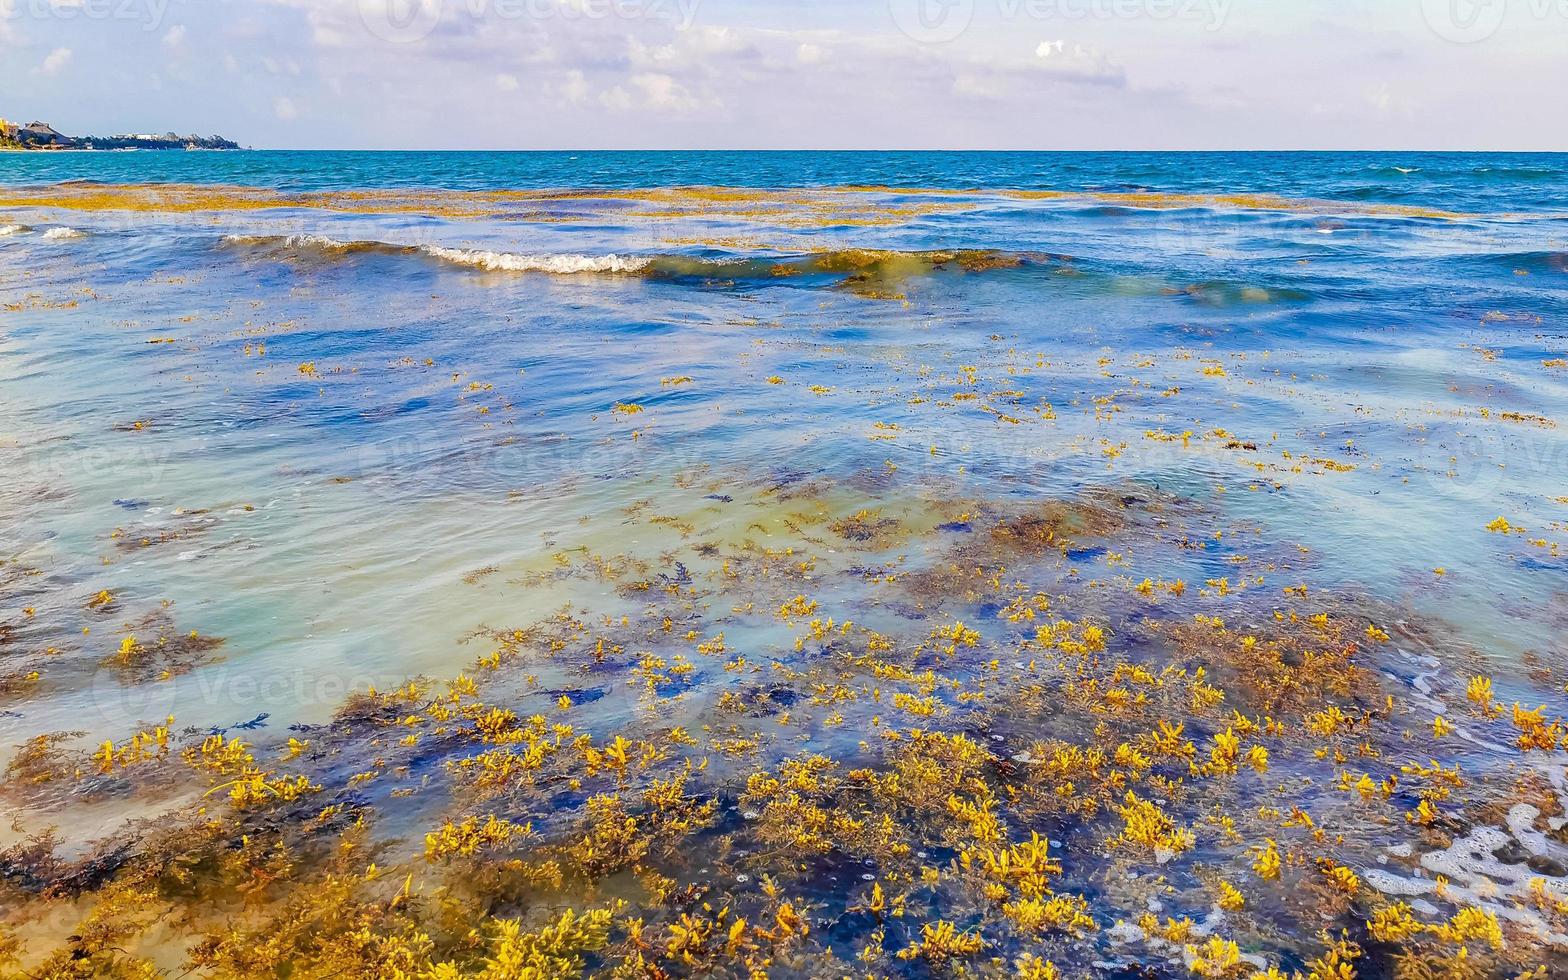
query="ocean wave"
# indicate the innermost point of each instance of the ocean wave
(6, 231)
(1505, 173)
(1527, 262)
(482, 259)
(63, 234)
(554, 263)
(312, 243)
(854, 268)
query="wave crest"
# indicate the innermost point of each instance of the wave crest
(555, 263)
(489, 261)
(311, 243)
(870, 272)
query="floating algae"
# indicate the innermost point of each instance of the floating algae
(692, 616)
(963, 777)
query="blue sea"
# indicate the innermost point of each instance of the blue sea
(1481, 182)
(731, 441)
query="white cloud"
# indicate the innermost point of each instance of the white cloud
(663, 92)
(1388, 101)
(574, 88)
(55, 60)
(283, 107)
(644, 56)
(972, 86)
(646, 90)
(822, 74)
(715, 40)
(616, 99)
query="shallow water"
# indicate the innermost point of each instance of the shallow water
(361, 415)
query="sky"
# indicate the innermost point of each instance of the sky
(808, 74)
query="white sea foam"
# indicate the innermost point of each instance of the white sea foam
(63, 233)
(292, 241)
(318, 241)
(561, 264)
(558, 263)
(6, 231)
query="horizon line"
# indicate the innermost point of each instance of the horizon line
(750, 149)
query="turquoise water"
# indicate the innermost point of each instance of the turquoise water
(1337, 328)
(359, 437)
(1491, 182)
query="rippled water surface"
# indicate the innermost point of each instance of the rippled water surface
(848, 487)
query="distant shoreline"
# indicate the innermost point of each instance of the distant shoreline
(41, 137)
(51, 150)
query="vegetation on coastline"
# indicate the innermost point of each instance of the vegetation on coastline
(42, 136)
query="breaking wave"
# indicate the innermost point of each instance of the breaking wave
(63, 234)
(6, 231)
(850, 265)
(489, 261)
(559, 264)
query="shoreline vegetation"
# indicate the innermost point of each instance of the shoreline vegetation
(42, 136)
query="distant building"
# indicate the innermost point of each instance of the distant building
(42, 134)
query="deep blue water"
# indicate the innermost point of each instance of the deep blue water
(1491, 182)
